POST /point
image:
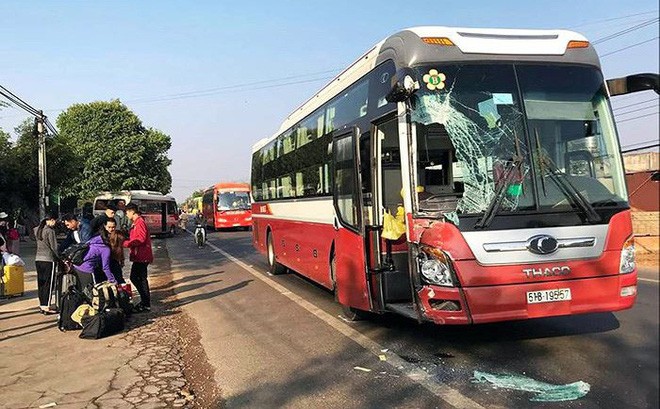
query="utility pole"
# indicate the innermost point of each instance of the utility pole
(43, 178)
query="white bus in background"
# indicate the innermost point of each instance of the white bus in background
(159, 210)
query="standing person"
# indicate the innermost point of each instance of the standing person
(99, 221)
(116, 240)
(139, 242)
(3, 233)
(78, 232)
(120, 216)
(45, 259)
(95, 267)
(4, 230)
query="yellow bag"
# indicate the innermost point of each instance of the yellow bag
(393, 227)
(82, 311)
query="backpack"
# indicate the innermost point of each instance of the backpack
(76, 253)
(104, 295)
(103, 324)
(124, 302)
(71, 300)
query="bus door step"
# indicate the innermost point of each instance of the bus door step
(404, 308)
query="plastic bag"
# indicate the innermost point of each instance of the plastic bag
(393, 227)
(12, 260)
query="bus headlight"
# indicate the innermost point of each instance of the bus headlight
(627, 264)
(434, 267)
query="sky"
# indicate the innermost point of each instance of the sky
(217, 76)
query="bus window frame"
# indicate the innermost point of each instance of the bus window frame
(351, 133)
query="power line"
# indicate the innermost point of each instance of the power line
(626, 31)
(641, 148)
(636, 110)
(630, 46)
(639, 143)
(234, 86)
(614, 19)
(13, 98)
(636, 103)
(637, 117)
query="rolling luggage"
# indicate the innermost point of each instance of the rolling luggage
(12, 283)
(71, 300)
(65, 280)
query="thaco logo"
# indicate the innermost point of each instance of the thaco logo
(542, 244)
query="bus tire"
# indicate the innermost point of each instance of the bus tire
(275, 267)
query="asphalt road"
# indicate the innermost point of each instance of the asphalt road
(268, 351)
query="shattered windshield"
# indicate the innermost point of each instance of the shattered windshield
(469, 130)
(233, 201)
(473, 137)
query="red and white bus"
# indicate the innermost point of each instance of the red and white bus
(159, 211)
(501, 149)
(227, 205)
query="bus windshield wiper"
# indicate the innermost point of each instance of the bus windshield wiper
(567, 188)
(512, 171)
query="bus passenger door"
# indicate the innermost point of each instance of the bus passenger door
(163, 217)
(350, 272)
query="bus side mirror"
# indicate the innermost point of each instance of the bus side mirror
(404, 86)
(634, 83)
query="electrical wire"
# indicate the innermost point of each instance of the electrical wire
(637, 117)
(230, 87)
(245, 88)
(17, 101)
(639, 143)
(636, 110)
(641, 148)
(626, 31)
(614, 19)
(636, 103)
(628, 47)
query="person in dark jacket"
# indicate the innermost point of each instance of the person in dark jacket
(96, 264)
(99, 221)
(139, 242)
(45, 261)
(78, 232)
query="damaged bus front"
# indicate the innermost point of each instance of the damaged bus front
(512, 177)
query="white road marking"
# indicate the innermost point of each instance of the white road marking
(648, 279)
(416, 374)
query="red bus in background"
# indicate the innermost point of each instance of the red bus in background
(497, 148)
(227, 205)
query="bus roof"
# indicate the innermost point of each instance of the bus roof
(128, 195)
(232, 186)
(407, 48)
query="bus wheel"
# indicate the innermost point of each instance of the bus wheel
(275, 267)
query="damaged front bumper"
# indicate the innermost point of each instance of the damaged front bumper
(468, 305)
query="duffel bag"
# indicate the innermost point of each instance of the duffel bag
(105, 323)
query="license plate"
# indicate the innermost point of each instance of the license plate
(560, 294)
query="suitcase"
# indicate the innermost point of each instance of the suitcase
(12, 284)
(71, 300)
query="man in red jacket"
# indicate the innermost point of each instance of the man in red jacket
(139, 242)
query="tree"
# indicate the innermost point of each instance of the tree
(113, 149)
(7, 184)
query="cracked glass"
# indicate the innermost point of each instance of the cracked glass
(506, 134)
